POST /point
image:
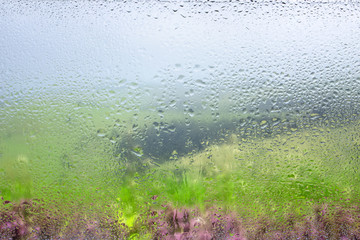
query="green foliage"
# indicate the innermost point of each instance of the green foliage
(283, 174)
(184, 190)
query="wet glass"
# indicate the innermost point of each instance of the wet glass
(179, 119)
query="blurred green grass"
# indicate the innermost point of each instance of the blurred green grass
(272, 176)
(287, 172)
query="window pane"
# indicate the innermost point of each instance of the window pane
(179, 119)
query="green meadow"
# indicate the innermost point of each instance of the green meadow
(67, 162)
(254, 177)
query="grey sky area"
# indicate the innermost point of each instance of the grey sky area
(86, 46)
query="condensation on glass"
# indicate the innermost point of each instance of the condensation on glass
(96, 92)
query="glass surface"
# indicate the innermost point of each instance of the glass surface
(179, 119)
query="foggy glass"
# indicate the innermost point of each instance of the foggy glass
(97, 97)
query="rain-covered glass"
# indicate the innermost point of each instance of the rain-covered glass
(180, 119)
